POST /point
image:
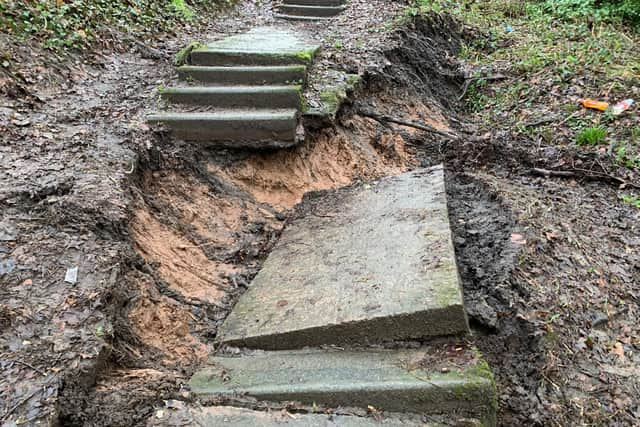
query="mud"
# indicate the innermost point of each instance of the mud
(167, 235)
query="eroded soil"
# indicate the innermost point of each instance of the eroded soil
(166, 235)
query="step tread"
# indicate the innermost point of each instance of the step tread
(365, 264)
(442, 379)
(259, 46)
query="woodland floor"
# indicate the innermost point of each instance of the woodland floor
(166, 235)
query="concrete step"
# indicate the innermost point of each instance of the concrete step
(234, 128)
(300, 18)
(311, 11)
(315, 2)
(364, 264)
(259, 97)
(440, 380)
(260, 46)
(228, 416)
(274, 75)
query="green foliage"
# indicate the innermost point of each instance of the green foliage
(604, 10)
(591, 136)
(635, 201)
(79, 23)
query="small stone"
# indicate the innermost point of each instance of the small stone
(72, 275)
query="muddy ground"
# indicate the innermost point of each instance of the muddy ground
(165, 235)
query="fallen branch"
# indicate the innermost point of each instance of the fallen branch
(422, 126)
(547, 173)
(469, 80)
(583, 173)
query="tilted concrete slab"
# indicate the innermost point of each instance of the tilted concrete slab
(445, 380)
(259, 46)
(247, 75)
(359, 265)
(234, 128)
(227, 416)
(261, 97)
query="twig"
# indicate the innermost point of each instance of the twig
(539, 122)
(467, 83)
(548, 173)
(584, 174)
(28, 365)
(184, 247)
(422, 126)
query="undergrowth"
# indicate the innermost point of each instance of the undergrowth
(70, 24)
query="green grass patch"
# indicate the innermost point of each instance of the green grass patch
(632, 200)
(591, 136)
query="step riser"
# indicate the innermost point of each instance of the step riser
(235, 133)
(222, 58)
(327, 3)
(240, 76)
(398, 381)
(301, 18)
(297, 10)
(273, 99)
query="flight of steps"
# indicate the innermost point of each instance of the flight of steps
(242, 92)
(309, 10)
(359, 304)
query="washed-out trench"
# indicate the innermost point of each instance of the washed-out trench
(202, 222)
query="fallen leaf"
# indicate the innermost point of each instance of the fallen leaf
(618, 350)
(518, 239)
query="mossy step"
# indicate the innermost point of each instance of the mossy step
(315, 11)
(260, 46)
(234, 128)
(446, 379)
(267, 75)
(368, 263)
(264, 97)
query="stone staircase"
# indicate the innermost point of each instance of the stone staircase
(309, 10)
(355, 271)
(242, 92)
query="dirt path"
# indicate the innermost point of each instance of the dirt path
(165, 235)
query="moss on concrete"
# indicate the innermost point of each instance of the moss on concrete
(182, 57)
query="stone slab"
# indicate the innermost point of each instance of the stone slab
(215, 416)
(364, 264)
(444, 380)
(290, 74)
(259, 97)
(259, 46)
(234, 128)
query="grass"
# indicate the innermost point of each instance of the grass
(632, 200)
(591, 136)
(551, 58)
